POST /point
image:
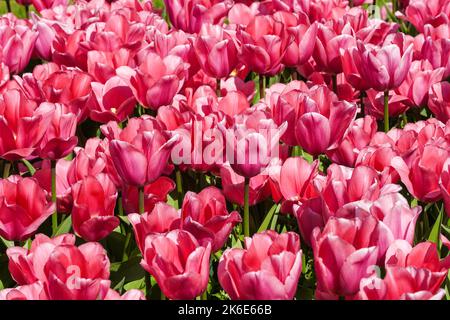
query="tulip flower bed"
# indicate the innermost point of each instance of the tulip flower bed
(205, 149)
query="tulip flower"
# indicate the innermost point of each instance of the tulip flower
(59, 140)
(339, 262)
(112, 101)
(267, 269)
(421, 176)
(190, 15)
(77, 273)
(384, 69)
(216, 50)
(301, 49)
(205, 216)
(143, 161)
(33, 291)
(421, 12)
(94, 199)
(48, 4)
(157, 80)
(412, 273)
(357, 138)
(23, 207)
(264, 43)
(27, 265)
(439, 101)
(324, 121)
(179, 264)
(23, 124)
(161, 219)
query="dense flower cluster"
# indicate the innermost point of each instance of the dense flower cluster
(276, 149)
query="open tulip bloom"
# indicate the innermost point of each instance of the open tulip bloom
(225, 149)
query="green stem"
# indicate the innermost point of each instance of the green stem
(262, 86)
(55, 214)
(141, 200)
(8, 5)
(204, 295)
(246, 208)
(334, 81)
(6, 169)
(179, 182)
(386, 111)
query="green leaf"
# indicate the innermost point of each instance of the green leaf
(436, 230)
(29, 166)
(7, 243)
(64, 227)
(265, 224)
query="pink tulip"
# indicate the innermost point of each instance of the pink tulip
(324, 121)
(112, 101)
(94, 199)
(190, 15)
(421, 12)
(143, 161)
(327, 49)
(27, 266)
(59, 139)
(205, 215)
(33, 291)
(23, 124)
(161, 219)
(439, 101)
(357, 138)
(421, 176)
(179, 264)
(153, 193)
(48, 4)
(17, 45)
(264, 43)
(339, 262)
(104, 65)
(251, 143)
(71, 87)
(157, 80)
(397, 104)
(411, 274)
(301, 49)
(46, 35)
(23, 207)
(384, 68)
(444, 184)
(132, 294)
(77, 273)
(216, 50)
(267, 269)
(418, 82)
(437, 52)
(233, 186)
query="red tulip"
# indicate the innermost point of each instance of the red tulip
(205, 215)
(48, 4)
(59, 139)
(267, 269)
(179, 264)
(161, 219)
(94, 199)
(23, 207)
(23, 125)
